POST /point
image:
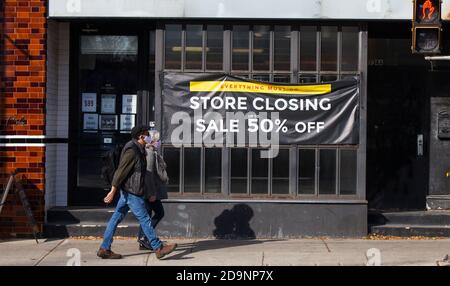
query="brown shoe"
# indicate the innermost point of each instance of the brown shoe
(108, 254)
(164, 250)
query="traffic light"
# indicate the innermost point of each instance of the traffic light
(426, 27)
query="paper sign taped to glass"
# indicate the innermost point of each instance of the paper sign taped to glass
(220, 109)
(129, 103)
(89, 102)
(90, 121)
(108, 122)
(108, 103)
(127, 122)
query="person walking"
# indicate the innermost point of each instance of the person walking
(129, 178)
(155, 188)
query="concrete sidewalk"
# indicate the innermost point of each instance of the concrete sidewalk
(231, 252)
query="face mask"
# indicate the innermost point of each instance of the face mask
(148, 139)
(157, 144)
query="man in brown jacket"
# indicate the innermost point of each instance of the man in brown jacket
(155, 189)
(130, 179)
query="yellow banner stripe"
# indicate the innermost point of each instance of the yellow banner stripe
(233, 86)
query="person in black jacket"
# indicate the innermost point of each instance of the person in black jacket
(130, 179)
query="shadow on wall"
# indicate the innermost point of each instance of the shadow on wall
(234, 223)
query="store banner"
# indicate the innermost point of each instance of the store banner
(219, 109)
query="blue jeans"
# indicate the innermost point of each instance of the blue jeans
(126, 202)
(156, 208)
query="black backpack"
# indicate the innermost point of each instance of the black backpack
(110, 161)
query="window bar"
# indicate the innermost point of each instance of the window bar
(182, 170)
(226, 152)
(271, 53)
(163, 45)
(269, 175)
(202, 170)
(318, 53)
(293, 171)
(183, 47)
(225, 171)
(159, 67)
(250, 52)
(249, 171)
(338, 171)
(229, 172)
(339, 52)
(228, 37)
(204, 44)
(317, 172)
(295, 55)
(227, 50)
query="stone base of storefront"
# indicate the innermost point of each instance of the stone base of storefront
(232, 220)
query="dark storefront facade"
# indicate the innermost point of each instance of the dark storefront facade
(105, 73)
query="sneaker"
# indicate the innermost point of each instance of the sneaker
(164, 250)
(144, 244)
(108, 254)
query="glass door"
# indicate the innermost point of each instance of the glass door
(108, 107)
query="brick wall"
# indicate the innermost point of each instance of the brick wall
(22, 107)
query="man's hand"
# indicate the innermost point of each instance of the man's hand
(152, 199)
(110, 196)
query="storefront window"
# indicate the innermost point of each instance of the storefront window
(306, 171)
(172, 159)
(268, 49)
(349, 48)
(327, 172)
(284, 78)
(261, 48)
(348, 76)
(213, 170)
(214, 47)
(260, 173)
(280, 173)
(307, 78)
(240, 48)
(173, 47)
(282, 48)
(192, 170)
(328, 77)
(194, 47)
(328, 57)
(261, 77)
(308, 48)
(239, 174)
(348, 172)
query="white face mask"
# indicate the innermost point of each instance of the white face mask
(148, 139)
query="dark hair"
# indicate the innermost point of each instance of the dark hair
(139, 130)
